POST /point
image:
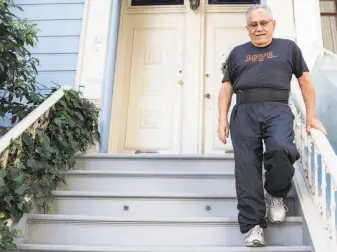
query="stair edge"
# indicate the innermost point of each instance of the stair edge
(38, 247)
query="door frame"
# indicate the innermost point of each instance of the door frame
(194, 62)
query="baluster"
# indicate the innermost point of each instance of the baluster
(303, 154)
(309, 164)
(323, 190)
(333, 212)
(296, 124)
(298, 131)
(316, 189)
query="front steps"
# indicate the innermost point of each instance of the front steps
(153, 203)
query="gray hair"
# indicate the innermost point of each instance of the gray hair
(259, 6)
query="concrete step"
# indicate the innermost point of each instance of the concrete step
(155, 205)
(105, 231)
(151, 163)
(57, 248)
(149, 182)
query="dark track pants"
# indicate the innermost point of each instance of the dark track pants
(250, 124)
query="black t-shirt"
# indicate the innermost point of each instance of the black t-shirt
(272, 66)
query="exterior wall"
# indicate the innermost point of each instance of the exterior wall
(60, 23)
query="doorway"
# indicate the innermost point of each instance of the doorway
(168, 74)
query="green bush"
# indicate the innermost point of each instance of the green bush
(17, 66)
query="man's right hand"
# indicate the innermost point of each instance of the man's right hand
(223, 130)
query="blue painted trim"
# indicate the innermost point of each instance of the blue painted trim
(109, 74)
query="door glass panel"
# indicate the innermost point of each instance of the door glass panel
(156, 2)
(233, 1)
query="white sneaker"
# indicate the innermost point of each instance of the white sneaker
(255, 237)
(276, 209)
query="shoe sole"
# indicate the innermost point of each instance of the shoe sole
(256, 243)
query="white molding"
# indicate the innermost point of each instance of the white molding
(117, 111)
(182, 9)
(202, 71)
(93, 48)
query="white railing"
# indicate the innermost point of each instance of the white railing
(319, 165)
(36, 119)
(32, 118)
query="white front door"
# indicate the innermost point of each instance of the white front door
(149, 75)
(168, 75)
(224, 31)
(153, 122)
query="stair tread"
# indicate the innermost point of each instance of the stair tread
(100, 194)
(216, 220)
(148, 173)
(225, 156)
(37, 247)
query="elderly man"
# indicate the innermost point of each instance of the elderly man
(260, 72)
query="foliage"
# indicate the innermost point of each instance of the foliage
(31, 165)
(37, 157)
(18, 68)
(6, 235)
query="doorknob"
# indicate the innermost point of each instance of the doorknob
(207, 96)
(180, 82)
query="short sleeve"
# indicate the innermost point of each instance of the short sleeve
(228, 69)
(299, 64)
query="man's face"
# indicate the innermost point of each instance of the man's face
(260, 27)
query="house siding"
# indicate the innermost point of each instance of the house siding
(59, 23)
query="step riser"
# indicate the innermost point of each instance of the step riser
(124, 234)
(155, 165)
(147, 184)
(151, 207)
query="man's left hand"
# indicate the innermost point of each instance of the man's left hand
(314, 123)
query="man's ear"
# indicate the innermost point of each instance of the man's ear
(274, 25)
(247, 29)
